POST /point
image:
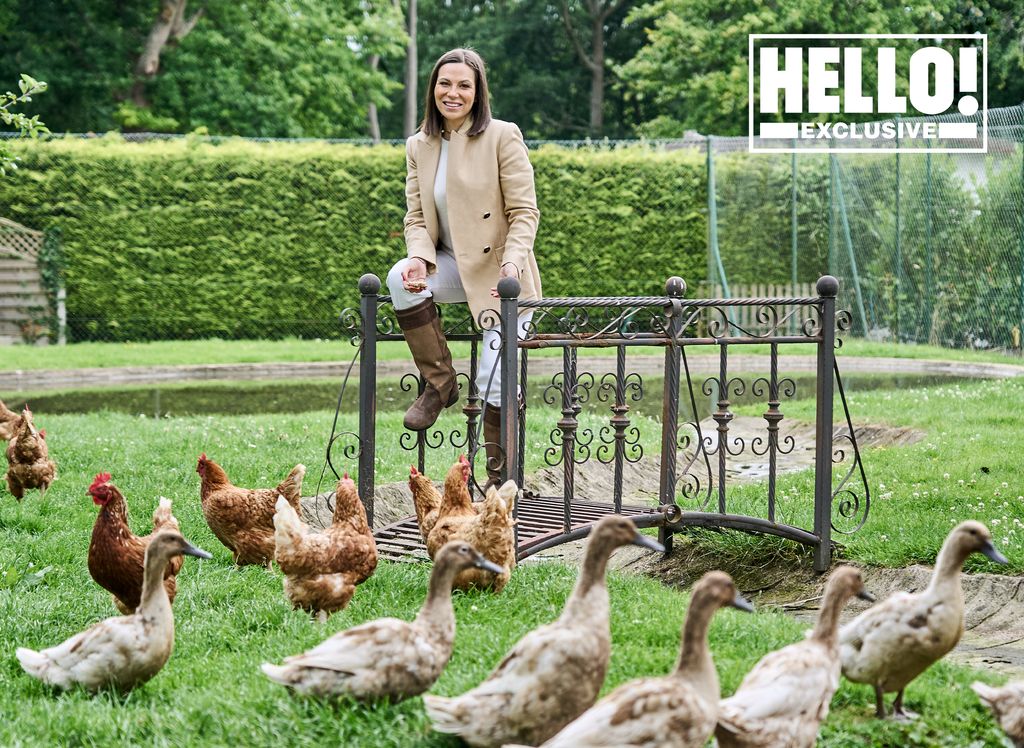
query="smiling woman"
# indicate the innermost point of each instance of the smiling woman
(471, 220)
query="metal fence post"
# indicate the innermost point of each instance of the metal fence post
(675, 287)
(369, 286)
(899, 248)
(1020, 311)
(716, 255)
(792, 223)
(830, 193)
(848, 242)
(828, 288)
(929, 272)
(508, 291)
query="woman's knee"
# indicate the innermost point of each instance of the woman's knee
(394, 279)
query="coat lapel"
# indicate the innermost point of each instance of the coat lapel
(426, 164)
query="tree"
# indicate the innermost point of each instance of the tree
(171, 26)
(692, 72)
(411, 72)
(280, 68)
(597, 15)
(535, 75)
(25, 125)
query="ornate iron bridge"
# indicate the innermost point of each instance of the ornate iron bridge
(693, 481)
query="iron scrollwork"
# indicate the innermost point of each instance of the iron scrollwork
(849, 505)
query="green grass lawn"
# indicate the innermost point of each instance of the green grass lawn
(231, 620)
(185, 352)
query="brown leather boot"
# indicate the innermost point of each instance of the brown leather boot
(426, 340)
(492, 439)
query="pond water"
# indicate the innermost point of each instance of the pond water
(239, 398)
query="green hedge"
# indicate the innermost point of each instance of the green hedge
(192, 239)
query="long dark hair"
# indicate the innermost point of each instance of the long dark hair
(481, 111)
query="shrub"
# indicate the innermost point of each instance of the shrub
(190, 238)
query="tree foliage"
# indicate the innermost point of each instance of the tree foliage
(25, 125)
(692, 71)
(283, 68)
(535, 74)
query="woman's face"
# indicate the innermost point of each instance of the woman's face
(455, 93)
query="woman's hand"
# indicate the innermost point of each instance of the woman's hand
(414, 277)
(508, 270)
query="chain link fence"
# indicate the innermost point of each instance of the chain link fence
(929, 248)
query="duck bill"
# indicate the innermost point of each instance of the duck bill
(990, 551)
(197, 552)
(645, 542)
(483, 563)
(865, 595)
(741, 603)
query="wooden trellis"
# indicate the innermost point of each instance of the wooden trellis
(24, 303)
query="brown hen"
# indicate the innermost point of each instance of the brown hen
(323, 568)
(427, 500)
(456, 508)
(9, 422)
(116, 555)
(28, 459)
(243, 518)
(487, 526)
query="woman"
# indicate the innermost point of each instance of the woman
(472, 218)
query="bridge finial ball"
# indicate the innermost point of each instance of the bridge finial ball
(675, 286)
(369, 284)
(827, 286)
(509, 288)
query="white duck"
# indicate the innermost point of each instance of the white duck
(387, 658)
(125, 651)
(783, 700)
(676, 711)
(1007, 703)
(554, 673)
(893, 642)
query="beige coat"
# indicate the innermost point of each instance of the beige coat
(492, 208)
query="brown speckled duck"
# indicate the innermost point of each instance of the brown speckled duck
(125, 651)
(784, 699)
(676, 711)
(554, 673)
(1007, 703)
(387, 658)
(891, 643)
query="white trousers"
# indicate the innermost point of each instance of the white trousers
(445, 286)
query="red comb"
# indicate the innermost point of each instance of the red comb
(202, 457)
(42, 433)
(463, 460)
(345, 476)
(98, 481)
(413, 472)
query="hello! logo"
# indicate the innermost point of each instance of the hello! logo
(854, 93)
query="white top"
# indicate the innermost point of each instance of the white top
(441, 198)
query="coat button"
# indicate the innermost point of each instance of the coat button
(487, 214)
(487, 249)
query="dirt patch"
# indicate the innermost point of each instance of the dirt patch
(783, 578)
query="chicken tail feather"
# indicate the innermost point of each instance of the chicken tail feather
(32, 662)
(291, 487)
(444, 714)
(162, 516)
(277, 673)
(986, 693)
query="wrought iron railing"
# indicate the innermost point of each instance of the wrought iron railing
(693, 481)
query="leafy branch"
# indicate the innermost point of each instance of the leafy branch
(30, 126)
